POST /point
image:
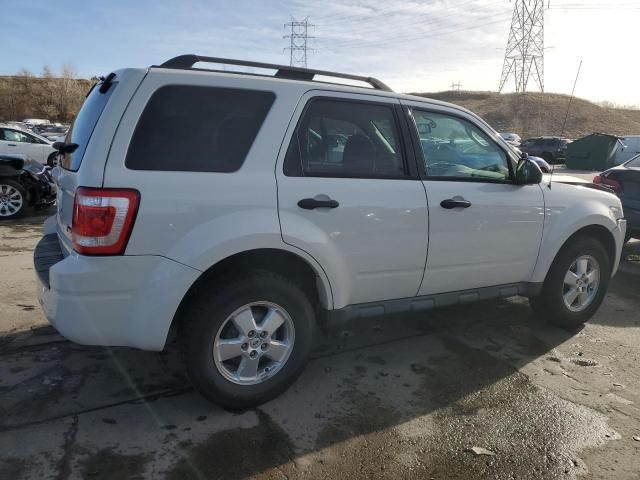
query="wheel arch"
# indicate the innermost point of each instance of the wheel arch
(284, 262)
(597, 231)
(602, 234)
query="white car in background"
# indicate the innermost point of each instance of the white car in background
(15, 140)
(35, 121)
(511, 138)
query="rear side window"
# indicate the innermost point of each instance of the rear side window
(197, 129)
(83, 126)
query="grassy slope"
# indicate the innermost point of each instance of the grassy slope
(543, 113)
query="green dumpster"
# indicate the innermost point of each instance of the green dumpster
(593, 152)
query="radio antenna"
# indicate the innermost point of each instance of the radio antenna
(564, 124)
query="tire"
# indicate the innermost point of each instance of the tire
(210, 318)
(13, 199)
(627, 237)
(551, 306)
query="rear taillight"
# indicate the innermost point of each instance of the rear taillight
(608, 182)
(103, 219)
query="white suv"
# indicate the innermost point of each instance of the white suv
(244, 210)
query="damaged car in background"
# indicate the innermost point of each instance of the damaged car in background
(24, 183)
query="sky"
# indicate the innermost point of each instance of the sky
(412, 45)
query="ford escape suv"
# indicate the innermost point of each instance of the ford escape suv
(242, 210)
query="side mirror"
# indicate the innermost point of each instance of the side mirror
(527, 172)
(63, 147)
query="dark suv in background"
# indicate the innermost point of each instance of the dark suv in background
(552, 149)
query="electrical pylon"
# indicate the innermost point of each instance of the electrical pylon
(298, 42)
(524, 55)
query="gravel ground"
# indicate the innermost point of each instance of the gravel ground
(398, 397)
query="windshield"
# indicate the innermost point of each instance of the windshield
(83, 126)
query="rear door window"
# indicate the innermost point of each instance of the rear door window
(83, 126)
(197, 129)
(352, 139)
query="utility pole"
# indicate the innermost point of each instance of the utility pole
(456, 86)
(298, 42)
(524, 55)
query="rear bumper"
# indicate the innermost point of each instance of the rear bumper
(116, 301)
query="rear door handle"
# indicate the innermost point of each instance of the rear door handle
(450, 203)
(311, 203)
(11, 144)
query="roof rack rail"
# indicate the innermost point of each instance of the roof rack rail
(282, 71)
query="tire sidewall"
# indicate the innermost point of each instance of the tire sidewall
(552, 290)
(207, 316)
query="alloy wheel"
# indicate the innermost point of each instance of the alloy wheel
(11, 200)
(253, 343)
(581, 283)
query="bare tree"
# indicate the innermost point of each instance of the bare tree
(51, 96)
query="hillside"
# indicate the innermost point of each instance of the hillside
(47, 96)
(543, 113)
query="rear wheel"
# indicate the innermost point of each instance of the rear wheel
(247, 341)
(575, 285)
(13, 199)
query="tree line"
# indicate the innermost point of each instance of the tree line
(56, 97)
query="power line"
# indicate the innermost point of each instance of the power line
(341, 17)
(446, 30)
(298, 42)
(384, 16)
(423, 20)
(524, 55)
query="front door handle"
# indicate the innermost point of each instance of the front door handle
(311, 203)
(11, 144)
(450, 203)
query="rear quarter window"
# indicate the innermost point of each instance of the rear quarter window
(197, 129)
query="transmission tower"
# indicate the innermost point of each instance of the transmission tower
(298, 42)
(524, 55)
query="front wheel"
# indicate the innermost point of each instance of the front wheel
(247, 341)
(575, 285)
(13, 199)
